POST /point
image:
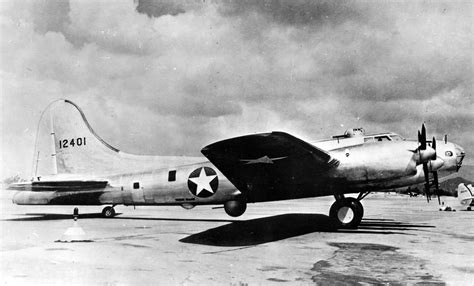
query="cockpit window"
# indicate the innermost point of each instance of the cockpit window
(382, 138)
(448, 154)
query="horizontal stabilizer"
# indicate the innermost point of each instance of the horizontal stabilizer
(269, 163)
(58, 186)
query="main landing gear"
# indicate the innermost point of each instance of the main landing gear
(348, 212)
(108, 212)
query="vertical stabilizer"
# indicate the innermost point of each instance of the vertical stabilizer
(464, 195)
(79, 150)
(67, 144)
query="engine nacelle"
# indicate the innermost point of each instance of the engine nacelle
(435, 165)
(235, 208)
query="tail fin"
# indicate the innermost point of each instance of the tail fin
(464, 195)
(74, 147)
(67, 144)
(78, 148)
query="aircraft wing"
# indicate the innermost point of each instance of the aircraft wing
(61, 186)
(270, 164)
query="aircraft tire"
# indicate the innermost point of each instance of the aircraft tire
(358, 204)
(108, 212)
(347, 212)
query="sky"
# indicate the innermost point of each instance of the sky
(169, 77)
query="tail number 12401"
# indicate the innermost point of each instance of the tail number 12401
(65, 143)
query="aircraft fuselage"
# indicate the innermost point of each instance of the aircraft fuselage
(364, 166)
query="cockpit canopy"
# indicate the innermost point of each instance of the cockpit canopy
(351, 133)
(360, 132)
(354, 132)
(383, 137)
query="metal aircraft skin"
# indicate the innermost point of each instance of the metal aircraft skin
(85, 170)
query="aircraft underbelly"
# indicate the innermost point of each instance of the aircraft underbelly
(58, 198)
(137, 196)
(32, 198)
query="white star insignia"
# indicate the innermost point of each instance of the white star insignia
(203, 182)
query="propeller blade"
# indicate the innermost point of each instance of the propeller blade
(435, 176)
(433, 145)
(423, 137)
(427, 181)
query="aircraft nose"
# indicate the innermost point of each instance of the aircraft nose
(459, 156)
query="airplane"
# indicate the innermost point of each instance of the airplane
(77, 167)
(465, 196)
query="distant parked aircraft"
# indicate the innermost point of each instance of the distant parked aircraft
(465, 196)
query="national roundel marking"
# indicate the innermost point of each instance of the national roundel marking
(203, 182)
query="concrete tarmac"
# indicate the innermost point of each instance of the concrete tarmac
(401, 240)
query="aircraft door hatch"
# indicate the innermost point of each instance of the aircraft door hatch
(137, 193)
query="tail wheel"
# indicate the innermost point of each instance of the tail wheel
(108, 212)
(348, 212)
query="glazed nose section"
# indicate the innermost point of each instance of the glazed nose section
(459, 156)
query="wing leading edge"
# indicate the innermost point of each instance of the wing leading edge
(272, 165)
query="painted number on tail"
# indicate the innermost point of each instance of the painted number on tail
(74, 142)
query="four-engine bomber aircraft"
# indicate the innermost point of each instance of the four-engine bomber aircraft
(82, 169)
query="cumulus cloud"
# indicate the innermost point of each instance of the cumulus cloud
(168, 77)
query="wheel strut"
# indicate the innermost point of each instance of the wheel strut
(339, 197)
(362, 195)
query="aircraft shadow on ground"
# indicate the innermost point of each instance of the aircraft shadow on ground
(274, 228)
(260, 230)
(50, 216)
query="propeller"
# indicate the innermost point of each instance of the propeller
(427, 182)
(427, 155)
(422, 157)
(435, 174)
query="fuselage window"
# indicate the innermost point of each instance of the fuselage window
(136, 185)
(448, 154)
(172, 176)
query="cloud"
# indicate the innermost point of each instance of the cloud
(297, 13)
(181, 74)
(167, 7)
